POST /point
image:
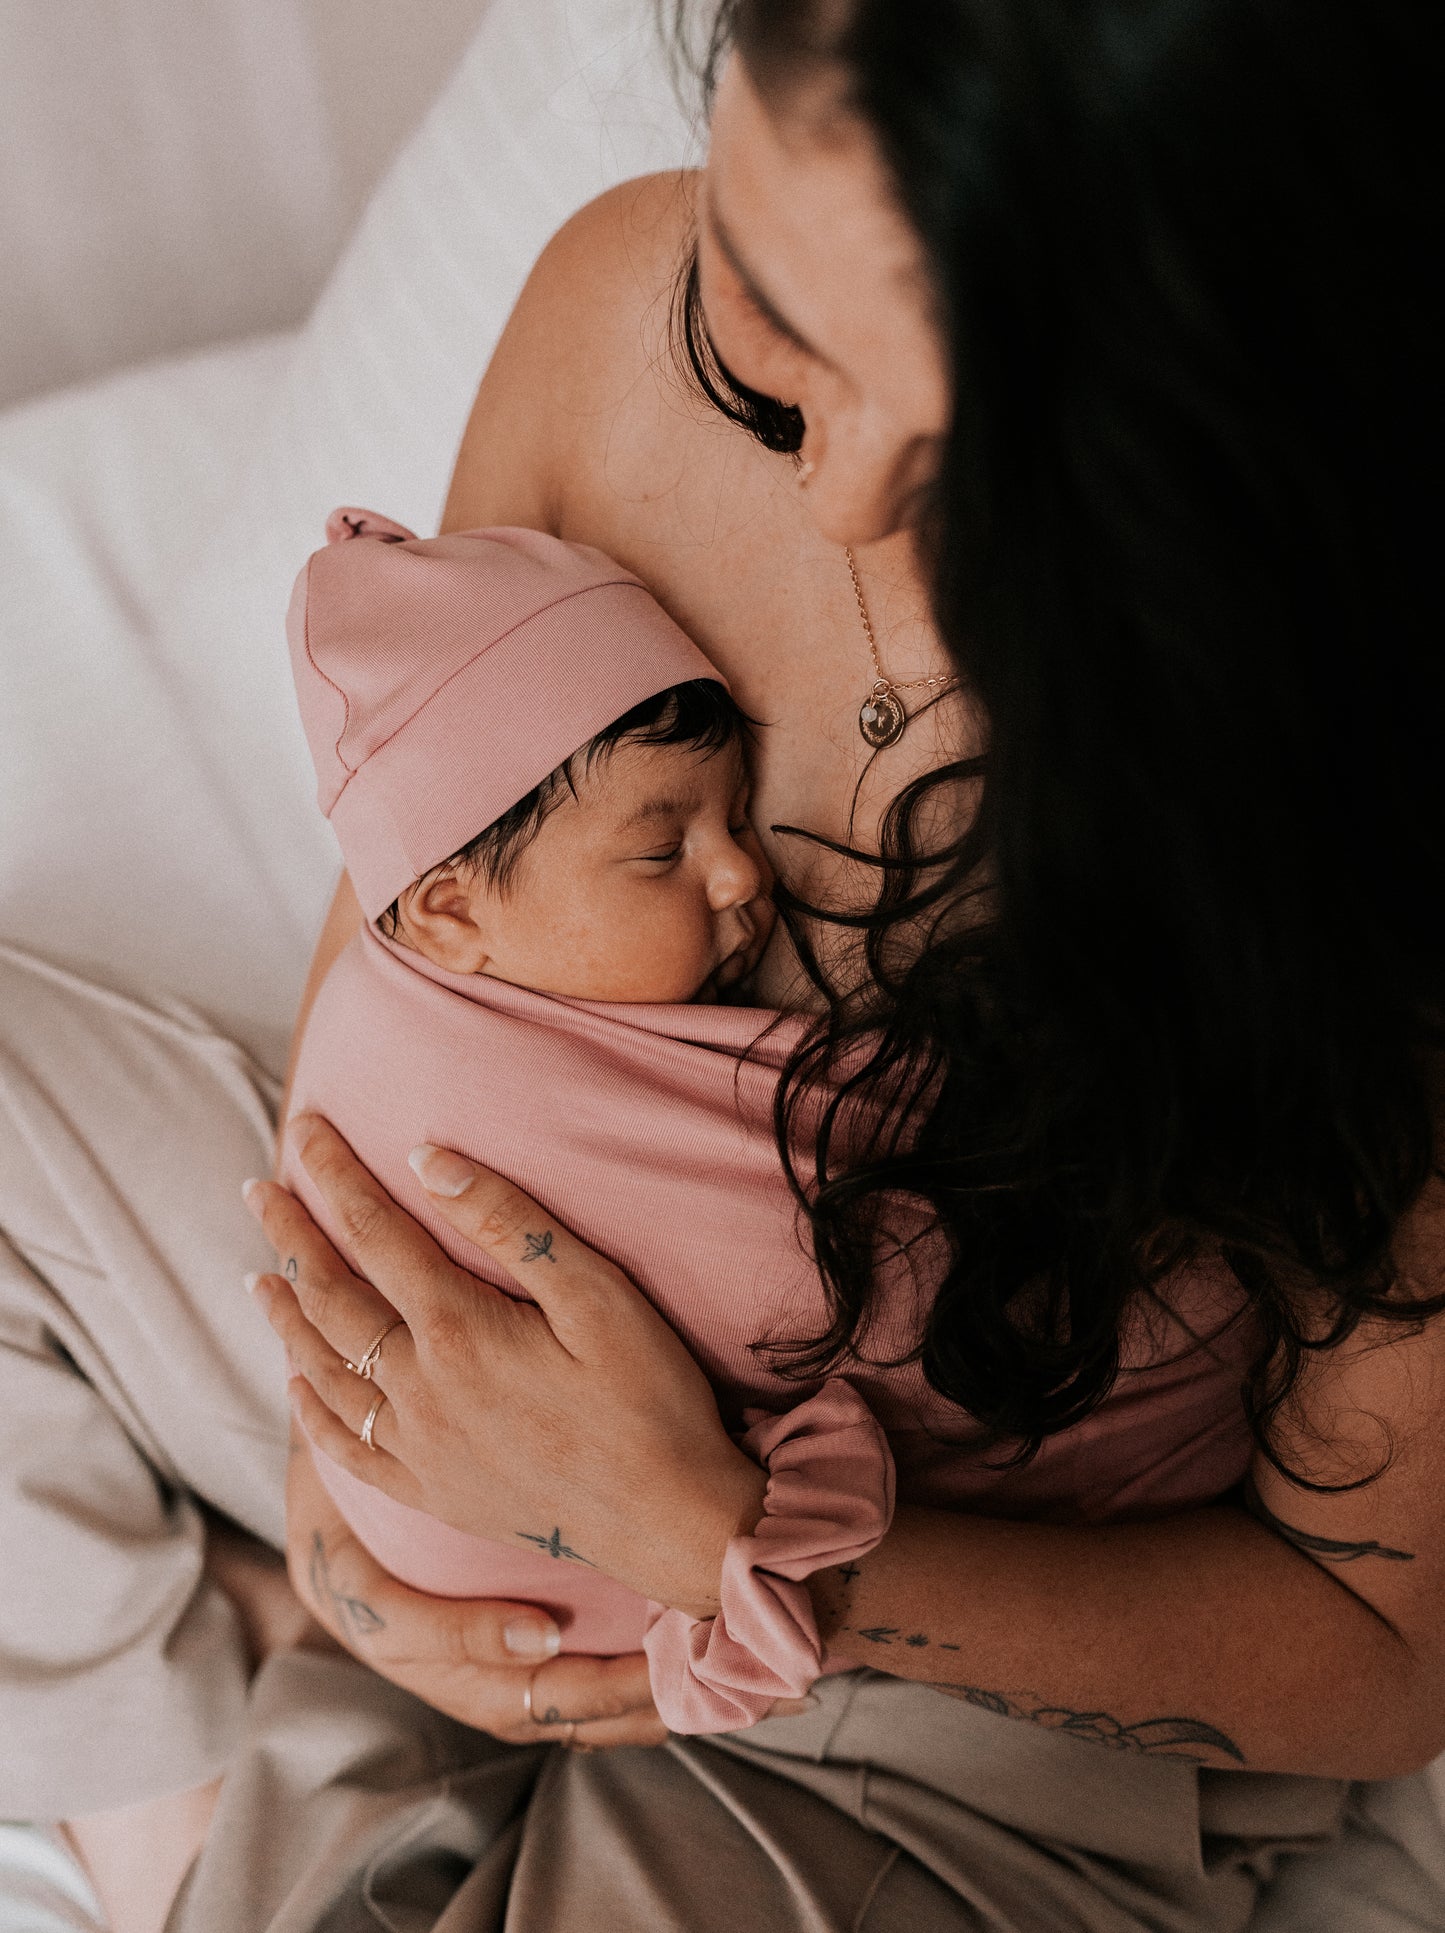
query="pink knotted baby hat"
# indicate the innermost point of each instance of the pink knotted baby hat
(441, 678)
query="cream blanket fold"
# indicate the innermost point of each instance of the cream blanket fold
(647, 1130)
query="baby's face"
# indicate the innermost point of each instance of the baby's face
(649, 885)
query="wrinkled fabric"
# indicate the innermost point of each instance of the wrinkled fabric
(884, 1808)
(829, 1500)
(139, 1384)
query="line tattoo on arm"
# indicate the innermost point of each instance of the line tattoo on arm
(354, 1614)
(1175, 1737)
(1329, 1550)
(1187, 1738)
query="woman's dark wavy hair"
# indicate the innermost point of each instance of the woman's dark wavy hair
(1181, 989)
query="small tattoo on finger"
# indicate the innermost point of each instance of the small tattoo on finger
(538, 1247)
(554, 1546)
(354, 1614)
(290, 1268)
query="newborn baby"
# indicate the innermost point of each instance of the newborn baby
(538, 784)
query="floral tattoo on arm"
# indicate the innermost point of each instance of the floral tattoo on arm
(1192, 1739)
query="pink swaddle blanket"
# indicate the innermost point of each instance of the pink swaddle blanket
(642, 1128)
(648, 1131)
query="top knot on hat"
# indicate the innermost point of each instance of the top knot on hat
(441, 678)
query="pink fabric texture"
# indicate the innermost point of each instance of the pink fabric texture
(829, 1501)
(648, 1131)
(489, 655)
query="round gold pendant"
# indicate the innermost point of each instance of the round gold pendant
(881, 719)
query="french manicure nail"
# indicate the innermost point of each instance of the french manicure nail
(251, 1278)
(250, 1194)
(440, 1171)
(526, 1638)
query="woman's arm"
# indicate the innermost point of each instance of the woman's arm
(1303, 1627)
(1205, 1636)
(1311, 1643)
(1297, 1631)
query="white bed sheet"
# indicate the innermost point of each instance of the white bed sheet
(42, 1889)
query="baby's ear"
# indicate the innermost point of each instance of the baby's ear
(348, 522)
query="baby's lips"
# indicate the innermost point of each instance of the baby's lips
(734, 967)
(762, 916)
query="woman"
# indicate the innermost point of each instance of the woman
(1104, 342)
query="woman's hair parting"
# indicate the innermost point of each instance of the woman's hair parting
(700, 716)
(1182, 972)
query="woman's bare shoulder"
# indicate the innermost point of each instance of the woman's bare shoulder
(591, 327)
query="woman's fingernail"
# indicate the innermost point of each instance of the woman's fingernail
(440, 1171)
(527, 1638)
(250, 1280)
(251, 1195)
(793, 1707)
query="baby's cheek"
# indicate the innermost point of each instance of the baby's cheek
(674, 948)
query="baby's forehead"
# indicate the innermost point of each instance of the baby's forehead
(636, 781)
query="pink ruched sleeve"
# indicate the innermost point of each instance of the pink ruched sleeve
(829, 1501)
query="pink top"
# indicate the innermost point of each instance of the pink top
(645, 1130)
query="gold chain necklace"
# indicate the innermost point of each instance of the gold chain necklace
(881, 717)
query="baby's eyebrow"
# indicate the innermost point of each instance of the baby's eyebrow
(657, 809)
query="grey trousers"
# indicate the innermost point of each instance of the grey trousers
(138, 1382)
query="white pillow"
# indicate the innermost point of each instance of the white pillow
(157, 817)
(118, 843)
(178, 172)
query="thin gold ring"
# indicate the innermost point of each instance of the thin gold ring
(370, 1424)
(371, 1356)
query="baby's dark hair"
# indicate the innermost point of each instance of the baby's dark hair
(700, 714)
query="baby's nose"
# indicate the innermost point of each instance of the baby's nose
(736, 878)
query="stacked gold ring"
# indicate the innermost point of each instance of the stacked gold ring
(371, 1356)
(370, 1424)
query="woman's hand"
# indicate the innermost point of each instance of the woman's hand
(474, 1661)
(579, 1419)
